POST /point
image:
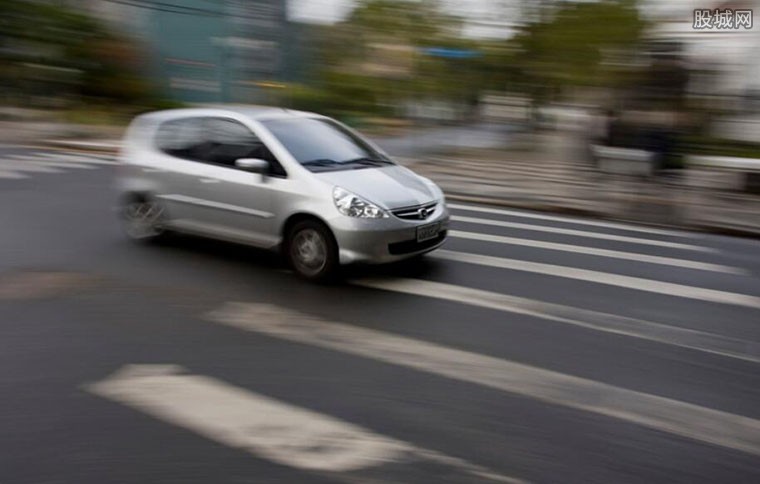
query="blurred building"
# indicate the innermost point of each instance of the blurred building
(725, 62)
(204, 50)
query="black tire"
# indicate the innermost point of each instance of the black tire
(142, 219)
(311, 251)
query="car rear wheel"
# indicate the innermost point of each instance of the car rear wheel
(142, 219)
(312, 251)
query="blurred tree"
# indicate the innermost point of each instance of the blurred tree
(413, 22)
(370, 62)
(47, 50)
(574, 44)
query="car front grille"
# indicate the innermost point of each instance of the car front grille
(416, 212)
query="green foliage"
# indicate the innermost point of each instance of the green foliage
(575, 43)
(49, 50)
(416, 22)
(700, 145)
(342, 95)
(344, 84)
(162, 103)
(308, 98)
(580, 44)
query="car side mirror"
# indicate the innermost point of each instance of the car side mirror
(254, 165)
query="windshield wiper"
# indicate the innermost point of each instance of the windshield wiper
(320, 162)
(366, 159)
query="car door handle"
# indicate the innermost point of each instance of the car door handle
(209, 180)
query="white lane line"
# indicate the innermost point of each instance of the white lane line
(12, 175)
(614, 254)
(592, 223)
(51, 162)
(584, 318)
(264, 426)
(27, 167)
(77, 158)
(100, 161)
(659, 413)
(618, 280)
(579, 233)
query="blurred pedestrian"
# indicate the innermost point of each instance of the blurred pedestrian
(600, 132)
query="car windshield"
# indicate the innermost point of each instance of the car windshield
(323, 145)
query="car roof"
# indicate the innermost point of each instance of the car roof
(254, 112)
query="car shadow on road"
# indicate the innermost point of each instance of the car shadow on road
(222, 251)
(250, 257)
(416, 267)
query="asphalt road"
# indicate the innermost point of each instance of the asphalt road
(531, 349)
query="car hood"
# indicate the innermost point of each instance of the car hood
(388, 186)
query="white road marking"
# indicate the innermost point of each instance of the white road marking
(11, 175)
(29, 167)
(606, 278)
(79, 158)
(89, 145)
(264, 426)
(614, 254)
(592, 223)
(659, 413)
(61, 163)
(579, 233)
(584, 318)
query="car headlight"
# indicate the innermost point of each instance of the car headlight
(352, 205)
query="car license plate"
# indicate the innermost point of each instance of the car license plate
(427, 232)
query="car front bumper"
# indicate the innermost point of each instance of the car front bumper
(379, 241)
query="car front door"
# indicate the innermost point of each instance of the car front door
(240, 202)
(177, 169)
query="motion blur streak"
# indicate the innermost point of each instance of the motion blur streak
(588, 312)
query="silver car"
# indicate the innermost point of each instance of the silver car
(277, 179)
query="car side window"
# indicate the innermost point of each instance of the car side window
(181, 138)
(228, 141)
(217, 141)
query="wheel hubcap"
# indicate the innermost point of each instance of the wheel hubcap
(142, 219)
(309, 251)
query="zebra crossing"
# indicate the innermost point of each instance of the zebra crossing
(630, 263)
(17, 166)
(276, 430)
(660, 413)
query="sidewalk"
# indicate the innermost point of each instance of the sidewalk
(52, 133)
(553, 173)
(545, 172)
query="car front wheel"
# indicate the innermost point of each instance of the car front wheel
(312, 251)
